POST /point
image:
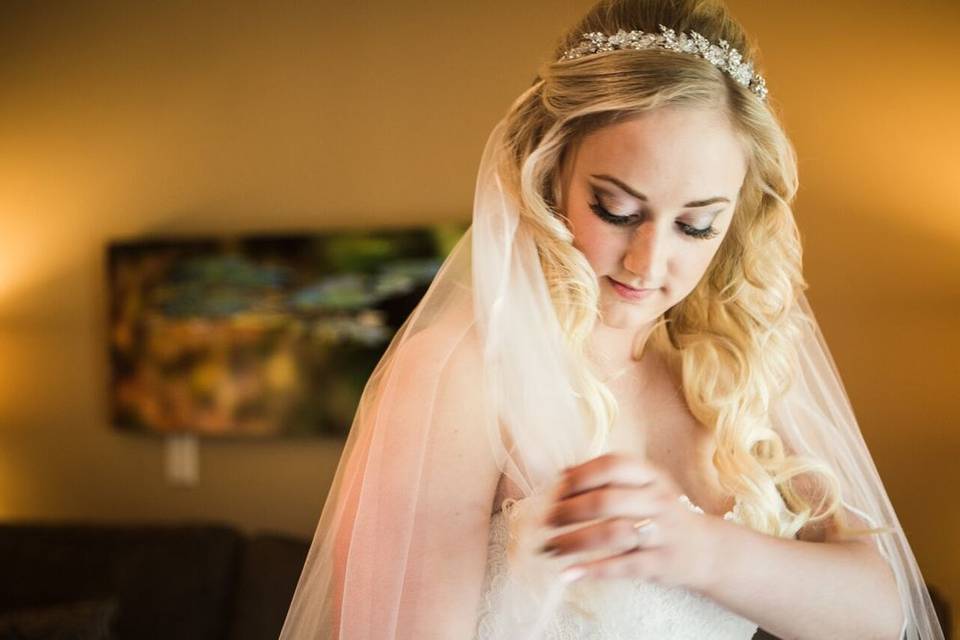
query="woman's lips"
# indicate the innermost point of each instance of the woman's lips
(629, 293)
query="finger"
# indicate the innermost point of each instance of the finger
(637, 563)
(611, 501)
(616, 533)
(611, 468)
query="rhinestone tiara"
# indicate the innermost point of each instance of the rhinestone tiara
(721, 55)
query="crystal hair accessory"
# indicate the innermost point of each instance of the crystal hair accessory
(721, 55)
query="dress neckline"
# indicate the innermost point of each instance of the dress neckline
(729, 515)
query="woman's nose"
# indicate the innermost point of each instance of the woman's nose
(646, 256)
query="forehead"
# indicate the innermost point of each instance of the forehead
(668, 154)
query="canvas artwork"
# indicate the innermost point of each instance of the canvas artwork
(259, 336)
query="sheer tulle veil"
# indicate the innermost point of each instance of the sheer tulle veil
(483, 356)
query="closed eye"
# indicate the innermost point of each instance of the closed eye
(606, 216)
(686, 229)
(695, 232)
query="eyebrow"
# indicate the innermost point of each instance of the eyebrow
(637, 194)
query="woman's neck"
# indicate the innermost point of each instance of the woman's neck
(613, 348)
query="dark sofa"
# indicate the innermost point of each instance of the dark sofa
(144, 582)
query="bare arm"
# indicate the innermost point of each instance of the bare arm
(804, 589)
(437, 455)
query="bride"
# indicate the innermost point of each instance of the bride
(613, 414)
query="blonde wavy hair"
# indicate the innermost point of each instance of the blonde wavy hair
(730, 340)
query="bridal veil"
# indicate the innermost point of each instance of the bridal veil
(476, 383)
(479, 384)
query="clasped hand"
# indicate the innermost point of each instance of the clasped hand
(676, 548)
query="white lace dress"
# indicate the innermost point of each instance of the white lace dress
(625, 609)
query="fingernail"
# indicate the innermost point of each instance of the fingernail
(572, 573)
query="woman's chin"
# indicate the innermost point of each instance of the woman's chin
(619, 315)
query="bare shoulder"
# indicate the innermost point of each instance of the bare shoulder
(450, 345)
(439, 374)
(826, 530)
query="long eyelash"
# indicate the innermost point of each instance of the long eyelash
(693, 232)
(703, 234)
(606, 216)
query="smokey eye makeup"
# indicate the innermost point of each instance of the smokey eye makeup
(611, 218)
(695, 232)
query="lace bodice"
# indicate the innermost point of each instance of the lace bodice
(625, 609)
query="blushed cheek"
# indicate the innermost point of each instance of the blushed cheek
(597, 248)
(590, 240)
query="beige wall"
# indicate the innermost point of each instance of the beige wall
(122, 118)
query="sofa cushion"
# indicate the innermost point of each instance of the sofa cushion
(85, 620)
(171, 581)
(268, 576)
